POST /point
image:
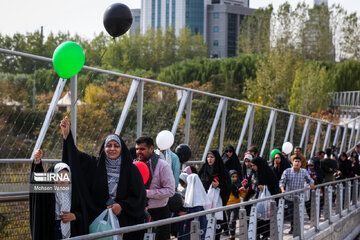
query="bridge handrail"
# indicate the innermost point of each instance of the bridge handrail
(40, 58)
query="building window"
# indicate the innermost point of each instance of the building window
(216, 28)
(216, 43)
(137, 19)
(216, 15)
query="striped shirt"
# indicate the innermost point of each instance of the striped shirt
(292, 180)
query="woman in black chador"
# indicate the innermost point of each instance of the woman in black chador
(112, 180)
(231, 160)
(213, 173)
(56, 215)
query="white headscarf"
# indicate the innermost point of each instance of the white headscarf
(195, 193)
(63, 202)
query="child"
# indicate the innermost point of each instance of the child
(56, 215)
(237, 191)
(196, 200)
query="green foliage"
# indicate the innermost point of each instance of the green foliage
(227, 76)
(346, 76)
(254, 36)
(310, 88)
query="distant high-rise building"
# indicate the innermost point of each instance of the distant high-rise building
(319, 2)
(217, 20)
(135, 26)
(318, 44)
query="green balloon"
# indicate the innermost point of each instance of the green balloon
(68, 59)
(274, 152)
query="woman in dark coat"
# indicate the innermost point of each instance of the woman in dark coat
(344, 164)
(231, 160)
(264, 176)
(56, 215)
(280, 163)
(213, 173)
(112, 180)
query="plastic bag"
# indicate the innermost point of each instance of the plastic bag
(104, 222)
(215, 199)
(263, 208)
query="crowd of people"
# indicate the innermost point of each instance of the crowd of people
(110, 180)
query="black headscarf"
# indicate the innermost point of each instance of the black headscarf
(284, 164)
(232, 163)
(207, 173)
(130, 193)
(265, 175)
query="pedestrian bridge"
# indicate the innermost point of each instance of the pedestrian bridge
(200, 119)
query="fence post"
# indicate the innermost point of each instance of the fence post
(252, 223)
(139, 112)
(328, 203)
(339, 199)
(270, 123)
(195, 233)
(299, 216)
(243, 230)
(49, 115)
(149, 235)
(211, 228)
(251, 127)
(315, 209)
(188, 118)
(73, 87)
(179, 112)
(280, 218)
(347, 195)
(248, 115)
(222, 126)
(213, 128)
(274, 232)
(355, 194)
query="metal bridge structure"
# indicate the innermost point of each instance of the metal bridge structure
(203, 120)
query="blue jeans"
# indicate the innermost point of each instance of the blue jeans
(184, 231)
(290, 212)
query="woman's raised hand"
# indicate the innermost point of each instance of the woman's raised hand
(65, 127)
(38, 156)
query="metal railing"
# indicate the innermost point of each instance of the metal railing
(201, 119)
(329, 203)
(345, 99)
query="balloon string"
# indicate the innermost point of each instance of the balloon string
(92, 74)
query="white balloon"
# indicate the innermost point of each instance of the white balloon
(287, 147)
(164, 140)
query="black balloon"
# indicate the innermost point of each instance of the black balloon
(117, 19)
(184, 152)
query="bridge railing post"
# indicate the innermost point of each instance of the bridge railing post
(298, 217)
(315, 209)
(252, 223)
(195, 232)
(280, 217)
(149, 235)
(243, 229)
(347, 195)
(339, 199)
(355, 194)
(274, 231)
(211, 227)
(328, 203)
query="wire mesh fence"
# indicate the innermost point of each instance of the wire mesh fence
(101, 100)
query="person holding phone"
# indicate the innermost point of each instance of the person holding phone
(213, 173)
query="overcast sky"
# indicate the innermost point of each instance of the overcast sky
(85, 16)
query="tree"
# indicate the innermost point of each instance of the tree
(254, 33)
(310, 89)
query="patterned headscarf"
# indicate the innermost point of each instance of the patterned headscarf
(63, 202)
(113, 167)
